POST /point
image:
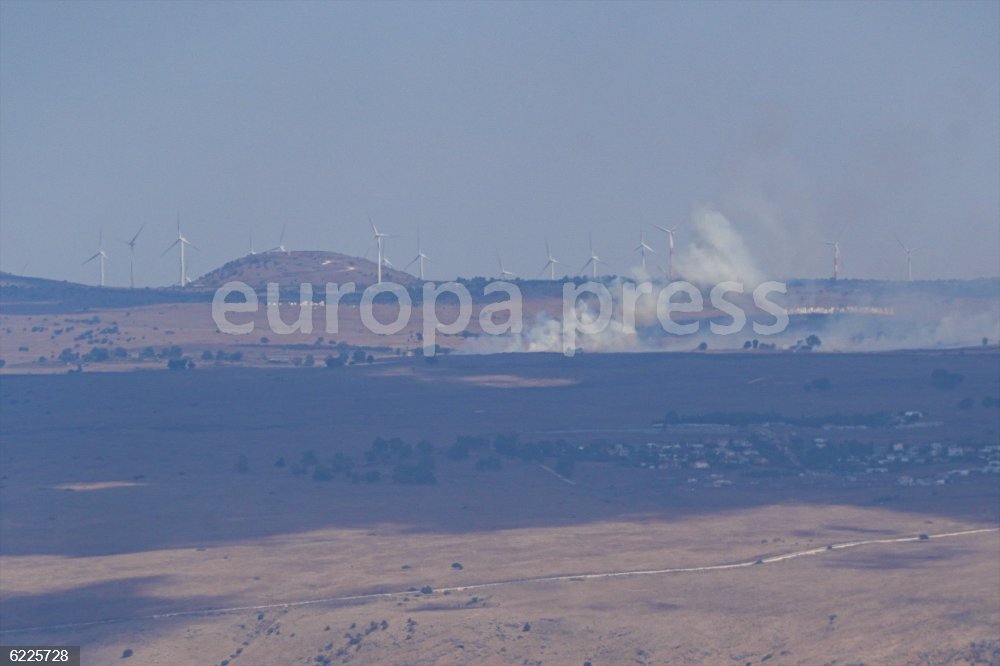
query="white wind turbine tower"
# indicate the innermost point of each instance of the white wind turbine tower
(252, 253)
(593, 261)
(421, 257)
(131, 257)
(182, 242)
(670, 249)
(836, 253)
(909, 259)
(504, 273)
(550, 263)
(100, 254)
(642, 248)
(836, 257)
(380, 244)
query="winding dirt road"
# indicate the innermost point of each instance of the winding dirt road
(772, 559)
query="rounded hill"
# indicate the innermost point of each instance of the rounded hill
(289, 269)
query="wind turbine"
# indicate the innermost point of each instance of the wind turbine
(281, 242)
(252, 253)
(182, 242)
(836, 252)
(550, 263)
(909, 258)
(421, 257)
(380, 243)
(836, 257)
(642, 248)
(131, 257)
(504, 273)
(100, 254)
(670, 249)
(593, 260)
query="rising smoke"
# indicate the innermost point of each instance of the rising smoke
(717, 253)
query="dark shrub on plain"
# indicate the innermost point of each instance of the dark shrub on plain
(413, 474)
(943, 379)
(323, 473)
(488, 464)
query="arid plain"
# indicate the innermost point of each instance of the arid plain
(176, 515)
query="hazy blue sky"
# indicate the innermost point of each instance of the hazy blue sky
(497, 125)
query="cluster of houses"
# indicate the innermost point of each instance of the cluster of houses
(787, 450)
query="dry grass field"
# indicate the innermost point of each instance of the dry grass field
(144, 511)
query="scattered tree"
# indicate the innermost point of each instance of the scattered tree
(488, 464)
(322, 473)
(821, 384)
(942, 379)
(565, 465)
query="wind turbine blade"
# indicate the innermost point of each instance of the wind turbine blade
(373, 225)
(412, 261)
(583, 269)
(899, 241)
(136, 237)
(91, 259)
(170, 247)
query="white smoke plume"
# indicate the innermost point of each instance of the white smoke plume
(871, 317)
(717, 253)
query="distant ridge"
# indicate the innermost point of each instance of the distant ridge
(25, 295)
